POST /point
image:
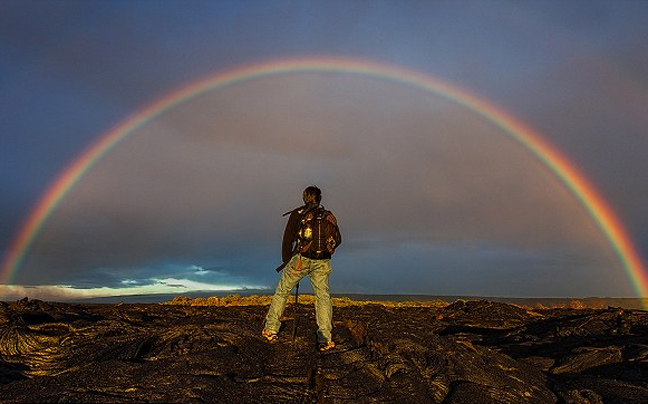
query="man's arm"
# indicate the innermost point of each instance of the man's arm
(289, 237)
(337, 237)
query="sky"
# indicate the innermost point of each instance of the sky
(432, 197)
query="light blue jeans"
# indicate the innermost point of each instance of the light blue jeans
(318, 271)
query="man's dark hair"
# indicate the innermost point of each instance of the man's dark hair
(313, 192)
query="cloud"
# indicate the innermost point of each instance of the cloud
(66, 293)
(207, 183)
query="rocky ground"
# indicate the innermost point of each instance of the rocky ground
(465, 352)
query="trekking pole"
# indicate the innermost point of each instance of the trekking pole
(296, 322)
(296, 292)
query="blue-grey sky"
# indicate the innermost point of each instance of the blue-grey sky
(431, 198)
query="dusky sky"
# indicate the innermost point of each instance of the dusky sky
(432, 196)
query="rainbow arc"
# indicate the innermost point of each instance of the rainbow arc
(567, 172)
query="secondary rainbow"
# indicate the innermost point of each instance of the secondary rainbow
(567, 172)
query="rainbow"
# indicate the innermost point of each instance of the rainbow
(565, 171)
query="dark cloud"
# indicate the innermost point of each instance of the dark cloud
(209, 180)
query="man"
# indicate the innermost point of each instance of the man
(310, 239)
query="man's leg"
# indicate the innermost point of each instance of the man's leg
(319, 277)
(289, 279)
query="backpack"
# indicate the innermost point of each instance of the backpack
(318, 234)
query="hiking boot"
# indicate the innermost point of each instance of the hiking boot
(269, 336)
(326, 346)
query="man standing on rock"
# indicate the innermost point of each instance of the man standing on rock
(310, 239)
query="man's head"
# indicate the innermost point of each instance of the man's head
(312, 195)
